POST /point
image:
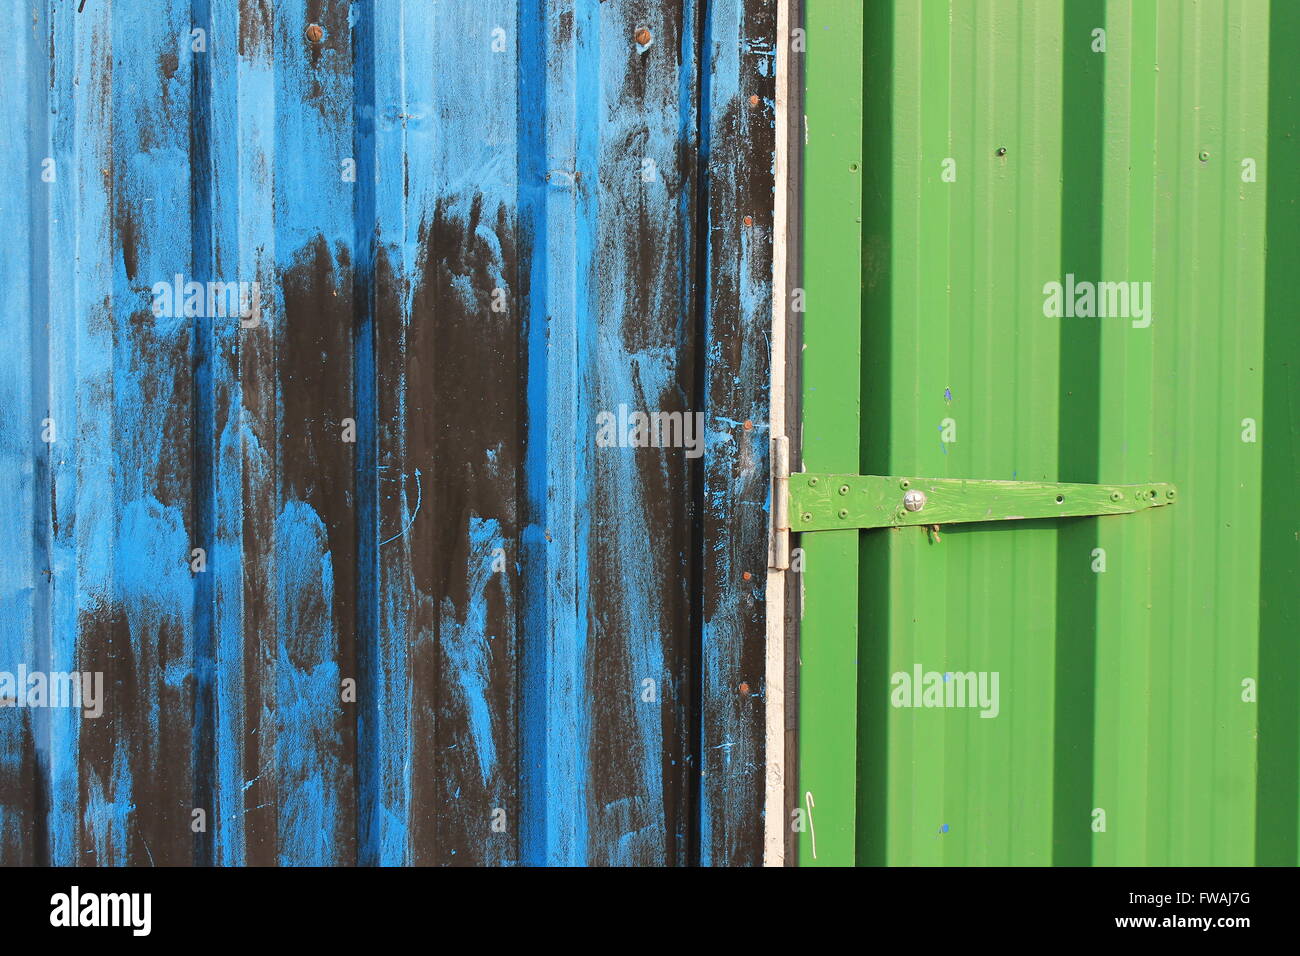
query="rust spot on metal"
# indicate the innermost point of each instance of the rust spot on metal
(642, 36)
(315, 33)
(746, 575)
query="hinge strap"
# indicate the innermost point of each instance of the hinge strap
(834, 502)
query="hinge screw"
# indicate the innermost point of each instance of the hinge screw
(905, 484)
(914, 500)
(844, 489)
(806, 516)
(315, 33)
(844, 513)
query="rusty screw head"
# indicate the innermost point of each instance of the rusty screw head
(749, 220)
(753, 100)
(315, 33)
(1002, 150)
(642, 36)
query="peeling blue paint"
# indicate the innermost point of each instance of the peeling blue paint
(307, 638)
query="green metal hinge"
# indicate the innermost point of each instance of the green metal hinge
(838, 502)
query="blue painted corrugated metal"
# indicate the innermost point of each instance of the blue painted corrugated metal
(361, 582)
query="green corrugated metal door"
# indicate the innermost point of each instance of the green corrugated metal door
(1053, 242)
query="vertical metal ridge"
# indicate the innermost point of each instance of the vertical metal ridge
(831, 386)
(1277, 833)
(702, 36)
(202, 251)
(366, 109)
(774, 812)
(793, 90)
(1079, 417)
(534, 82)
(42, 406)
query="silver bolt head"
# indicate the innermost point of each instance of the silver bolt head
(914, 500)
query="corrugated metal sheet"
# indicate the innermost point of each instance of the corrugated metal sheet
(476, 224)
(1002, 149)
